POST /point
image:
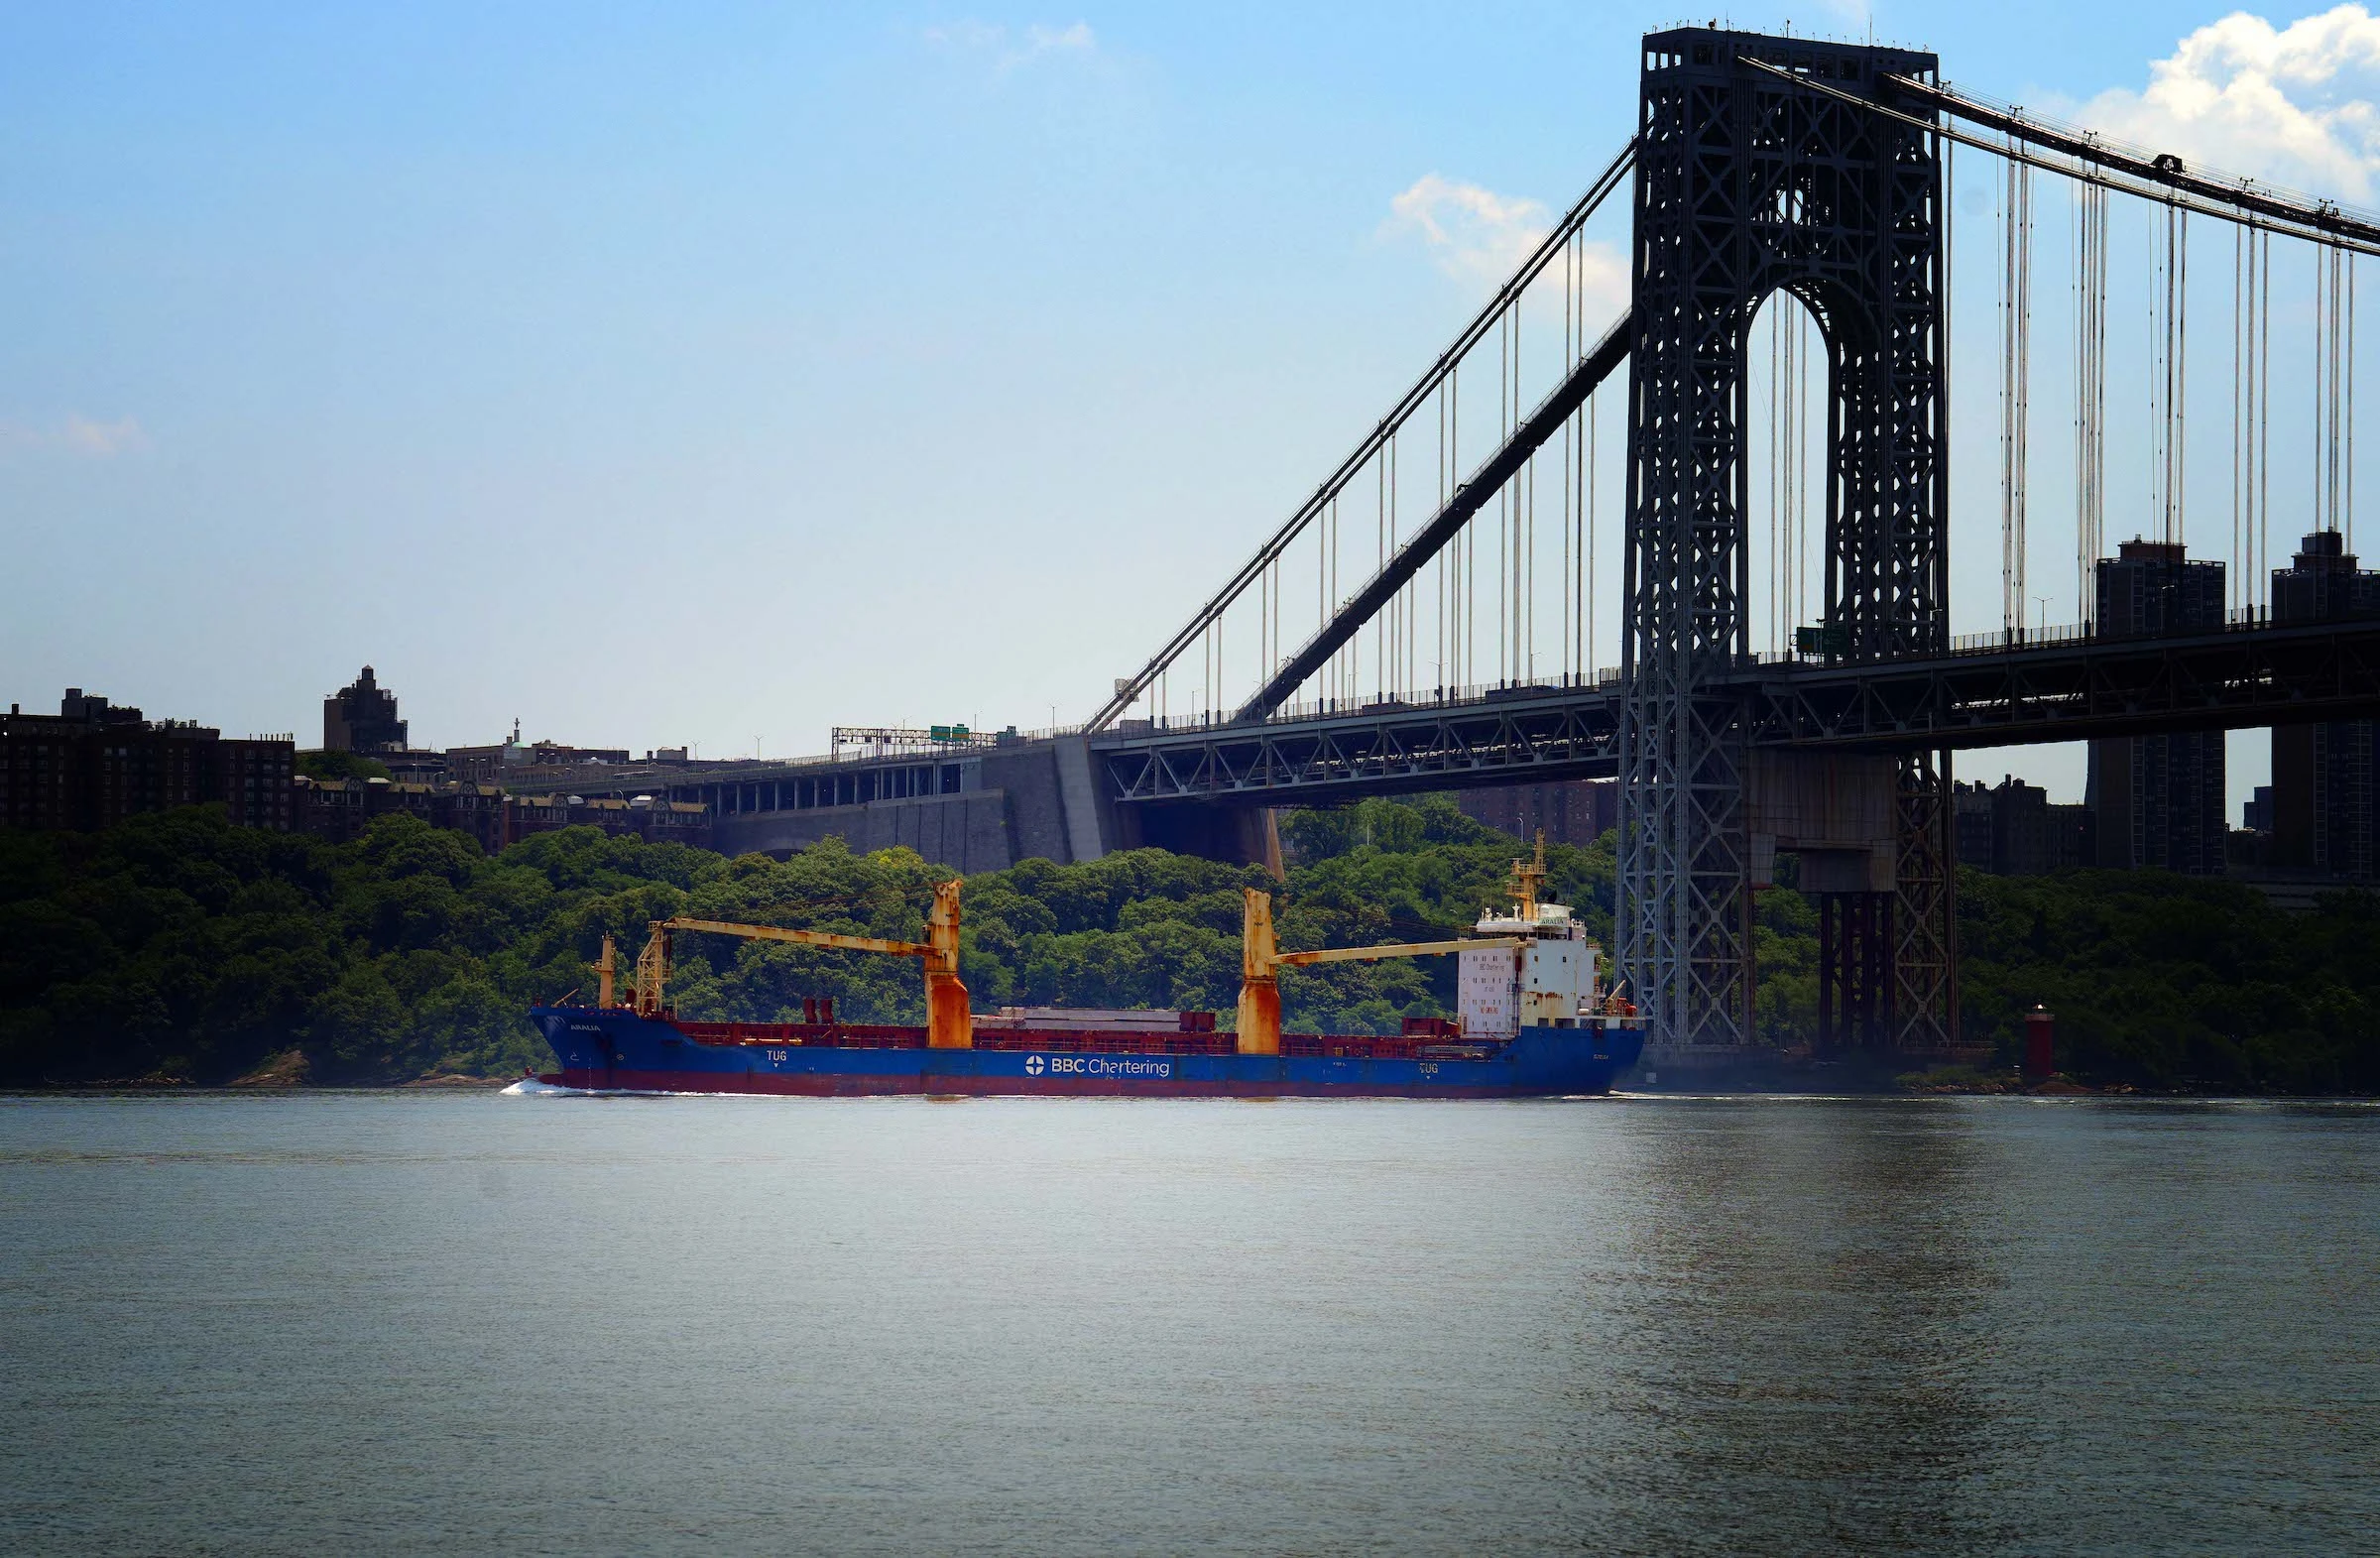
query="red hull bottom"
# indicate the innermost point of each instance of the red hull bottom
(945, 1086)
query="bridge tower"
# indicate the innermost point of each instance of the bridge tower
(1747, 184)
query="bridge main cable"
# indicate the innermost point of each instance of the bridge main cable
(1470, 497)
(2324, 217)
(1506, 296)
(2096, 160)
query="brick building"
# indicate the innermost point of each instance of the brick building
(93, 764)
(342, 810)
(361, 717)
(511, 760)
(2012, 831)
(1576, 811)
(654, 821)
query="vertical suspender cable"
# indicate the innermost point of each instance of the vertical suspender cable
(1776, 448)
(2003, 275)
(2258, 392)
(1379, 632)
(2162, 433)
(1524, 524)
(2251, 455)
(1569, 433)
(2090, 411)
(2238, 563)
(2326, 517)
(2178, 436)
(2160, 316)
(1796, 421)
(1324, 573)
(1263, 620)
(1445, 562)
(1504, 498)
(1404, 597)
(2016, 324)
(2264, 423)
(2077, 248)
(1460, 579)
(1948, 217)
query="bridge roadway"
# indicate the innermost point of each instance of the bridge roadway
(2069, 689)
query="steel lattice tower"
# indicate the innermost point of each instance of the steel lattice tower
(1747, 184)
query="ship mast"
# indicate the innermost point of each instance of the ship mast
(1527, 877)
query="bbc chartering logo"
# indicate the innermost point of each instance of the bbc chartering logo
(1032, 1065)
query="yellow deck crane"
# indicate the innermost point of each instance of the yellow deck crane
(949, 1021)
(1261, 961)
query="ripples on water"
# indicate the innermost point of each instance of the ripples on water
(475, 1323)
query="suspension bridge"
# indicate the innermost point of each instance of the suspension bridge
(1770, 696)
(1478, 594)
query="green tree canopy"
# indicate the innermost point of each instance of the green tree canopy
(178, 945)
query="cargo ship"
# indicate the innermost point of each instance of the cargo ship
(1535, 1019)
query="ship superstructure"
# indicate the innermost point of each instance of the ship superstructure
(1529, 964)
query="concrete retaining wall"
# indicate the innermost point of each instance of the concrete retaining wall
(967, 832)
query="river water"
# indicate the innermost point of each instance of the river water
(462, 1323)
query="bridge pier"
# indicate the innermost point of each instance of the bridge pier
(1234, 835)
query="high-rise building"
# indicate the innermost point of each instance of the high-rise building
(2323, 804)
(361, 717)
(2256, 812)
(2157, 801)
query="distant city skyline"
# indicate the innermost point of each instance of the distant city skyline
(713, 376)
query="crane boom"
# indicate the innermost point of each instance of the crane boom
(807, 938)
(949, 1023)
(1401, 949)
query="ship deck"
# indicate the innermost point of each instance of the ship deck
(1103, 1041)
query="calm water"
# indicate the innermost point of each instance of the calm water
(455, 1324)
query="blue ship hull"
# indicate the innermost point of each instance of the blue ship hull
(619, 1051)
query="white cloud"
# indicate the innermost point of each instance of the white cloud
(1009, 50)
(2291, 104)
(1475, 234)
(77, 434)
(1480, 237)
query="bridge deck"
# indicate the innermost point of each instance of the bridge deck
(2234, 677)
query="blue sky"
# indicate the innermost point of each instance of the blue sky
(719, 373)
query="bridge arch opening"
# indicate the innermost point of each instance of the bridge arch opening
(1786, 389)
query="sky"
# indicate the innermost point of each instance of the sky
(715, 374)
